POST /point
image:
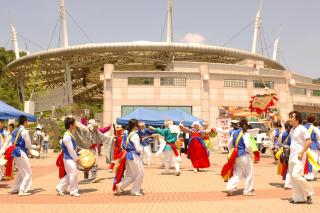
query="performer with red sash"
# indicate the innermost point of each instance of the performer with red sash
(197, 150)
(130, 161)
(68, 178)
(169, 149)
(21, 143)
(241, 166)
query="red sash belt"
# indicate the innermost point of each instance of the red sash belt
(60, 165)
(174, 148)
(8, 173)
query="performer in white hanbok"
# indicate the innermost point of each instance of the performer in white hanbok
(21, 143)
(300, 142)
(243, 168)
(70, 158)
(134, 171)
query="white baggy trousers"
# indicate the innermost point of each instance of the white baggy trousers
(169, 157)
(243, 169)
(134, 174)
(300, 186)
(24, 178)
(146, 150)
(70, 179)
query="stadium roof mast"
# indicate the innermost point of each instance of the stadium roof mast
(66, 44)
(16, 52)
(169, 65)
(169, 26)
(275, 49)
(257, 29)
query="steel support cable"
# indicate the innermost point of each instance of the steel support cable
(164, 25)
(35, 44)
(248, 25)
(284, 60)
(85, 34)
(54, 30)
(265, 41)
(59, 34)
(7, 42)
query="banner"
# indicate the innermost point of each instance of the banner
(223, 128)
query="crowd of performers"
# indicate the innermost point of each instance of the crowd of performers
(296, 148)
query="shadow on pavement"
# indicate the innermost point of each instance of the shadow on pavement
(277, 185)
(83, 191)
(235, 192)
(37, 190)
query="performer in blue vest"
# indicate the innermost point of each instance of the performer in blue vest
(134, 167)
(275, 134)
(243, 167)
(145, 140)
(22, 142)
(314, 147)
(70, 158)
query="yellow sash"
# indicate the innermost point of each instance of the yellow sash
(17, 136)
(237, 142)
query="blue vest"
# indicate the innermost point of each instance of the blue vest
(145, 133)
(131, 150)
(314, 145)
(241, 145)
(286, 134)
(66, 154)
(2, 132)
(20, 144)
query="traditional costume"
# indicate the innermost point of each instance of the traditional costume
(275, 139)
(21, 143)
(116, 148)
(145, 140)
(197, 151)
(169, 149)
(67, 165)
(309, 171)
(300, 187)
(210, 133)
(239, 164)
(5, 141)
(283, 158)
(131, 162)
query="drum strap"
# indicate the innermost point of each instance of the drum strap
(70, 134)
(129, 136)
(17, 136)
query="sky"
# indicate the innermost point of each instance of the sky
(211, 22)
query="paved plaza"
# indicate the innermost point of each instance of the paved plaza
(190, 192)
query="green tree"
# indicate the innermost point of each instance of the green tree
(35, 82)
(8, 87)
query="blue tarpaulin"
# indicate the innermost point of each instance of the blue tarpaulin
(157, 117)
(7, 112)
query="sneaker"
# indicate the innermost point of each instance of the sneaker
(231, 192)
(59, 192)
(248, 194)
(195, 170)
(13, 192)
(24, 193)
(75, 194)
(136, 194)
(177, 173)
(309, 200)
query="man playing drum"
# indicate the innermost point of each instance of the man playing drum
(70, 158)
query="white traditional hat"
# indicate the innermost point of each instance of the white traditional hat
(196, 123)
(92, 123)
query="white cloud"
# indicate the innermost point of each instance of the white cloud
(193, 38)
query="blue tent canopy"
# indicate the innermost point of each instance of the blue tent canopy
(157, 117)
(7, 112)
